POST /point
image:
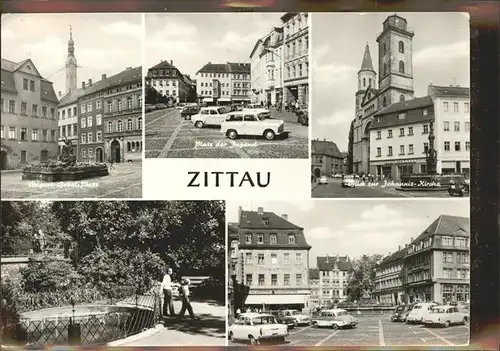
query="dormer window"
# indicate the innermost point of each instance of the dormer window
(291, 239)
(265, 220)
(402, 115)
(260, 238)
(273, 238)
(248, 238)
(424, 112)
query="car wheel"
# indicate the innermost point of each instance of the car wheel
(231, 134)
(446, 324)
(314, 324)
(335, 326)
(231, 337)
(269, 134)
(253, 341)
(199, 124)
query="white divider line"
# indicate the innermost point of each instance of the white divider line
(381, 340)
(439, 337)
(327, 338)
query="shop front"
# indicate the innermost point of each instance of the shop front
(272, 300)
(452, 292)
(394, 169)
(453, 167)
(209, 101)
(420, 293)
(224, 101)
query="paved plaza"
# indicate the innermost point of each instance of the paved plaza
(168, 135)
(124, 181)
(334, 189)
(378, 330)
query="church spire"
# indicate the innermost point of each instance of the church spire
(367, 64)
(71, 64)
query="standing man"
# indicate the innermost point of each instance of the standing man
(186, 304)
(166, 288)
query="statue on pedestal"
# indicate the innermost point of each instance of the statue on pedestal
(66, 157)
(431, 154)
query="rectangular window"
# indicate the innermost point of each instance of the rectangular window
(286, 279)
(98, 120)
(466, 107)
(274, 258)
(447, 241)
(260, 238)
(379, 151)
(249, 279)
(32, 85)
(390, 151)
(99, 136)
(53, 135)
(455, 107)
(45, 135)
(89, 107)
(467, 126)
(291, 239)
(34, 110)
(89, 139)
(426, 129)
(24, 108)
(298, 279)
(248, 258)
(24, 156)
(274, 279)
(298, 258)
(401, 149)
(84, 138)
(447, 257)
(261, 280)
(389, 133)
(260, 259)
(12, 106)
(457, 146)
(426, 147)
(410, 149)
(89, 121)
(379, 134)
(410, 130)
(44, 111)
(456, 126)
(272, 238)
(467, 146)
(445, 106)
(91, 152)
(446, 146)
(446, 127)
(82, 108)
(83, 122)
(24, 133)
(12, 132)
(248, 238)
(34, 134)
(25, 84)
(286, 257)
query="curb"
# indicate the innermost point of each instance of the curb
(421, 189)
(136, 337)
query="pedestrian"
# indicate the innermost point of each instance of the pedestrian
(111, 163)
(166, 288)
(186, 304)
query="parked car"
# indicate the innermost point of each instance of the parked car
(279, 318)
(296, 317)
(150, 107)
(207, 116)
(258, 109)
(257, 327)
(400, 313)
(251, 123)
(445, 316)
(180, 106)
(161, 106)
(323, 180)
(336, 318)
(419, 312)
(188, 111)
(348, 181)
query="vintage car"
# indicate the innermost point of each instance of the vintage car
(189, 110)
(251, 123)
(209, 116)
(419, 312)
(257, 327)
(445, 316)
(348, 181)
(281, 320)
(294, 316)
(323, 180)
(258, 109)
(336, 318)
(400, 313)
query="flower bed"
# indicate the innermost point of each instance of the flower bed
(428, 181)
(58, 171)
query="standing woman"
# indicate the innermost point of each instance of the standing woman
(186, 304)
(166, 288)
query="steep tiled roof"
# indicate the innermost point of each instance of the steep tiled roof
(215, 68)
(232, 231)
(287, 16)
(395, 256)
(313, 273)
(163, 64)
(281, 240)
(324, 147)
(367, 64)
(47, 91)
(127, 76)
(388, 117)
(256, 45)
(12, 66)
(327, 263)
(71, 98)
(447, 225)
(452, 91)
(239, 67)
(255, 220)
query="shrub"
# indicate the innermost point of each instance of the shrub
(49, 275)
(10, 314)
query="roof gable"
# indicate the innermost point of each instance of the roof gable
(28, 67)
(448, 226)
(369, 95)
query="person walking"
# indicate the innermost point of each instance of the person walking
(111, 166)
(166, 288)
(186, 304)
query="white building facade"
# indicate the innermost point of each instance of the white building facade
(334, 275)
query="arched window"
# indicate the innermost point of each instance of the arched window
(129, 124)
(129, 103)
(384, 101)
(110, 105)
(128, 146)
(401, 97)
(110, 127)
(120, 105)
(119, 126)
(401, 47)
(401, 67)
(364, 82)
(139, 123)
(139, 100)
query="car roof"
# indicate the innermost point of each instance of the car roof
(255, 314)
(335, 310)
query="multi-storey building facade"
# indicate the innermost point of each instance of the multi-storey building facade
(123, 116)
(451, 128)
(266, 68)
(334, 275)
(315, 285)
(240, 82)
(399, 138)
(389, 278)
(170, 83)
(296, 57)
(29, 115)
(326, 158)
(437, 264)
(274, 261)
(67, 116)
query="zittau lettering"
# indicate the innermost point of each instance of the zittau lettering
(232, 179)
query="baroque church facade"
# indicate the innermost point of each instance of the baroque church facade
(394, 84)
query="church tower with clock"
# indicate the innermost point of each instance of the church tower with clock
(395, 62)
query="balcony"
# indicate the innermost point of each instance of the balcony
(269, 84)
(271, 64)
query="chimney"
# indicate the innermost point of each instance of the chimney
(327, 258)
(406, 246)
(399, 248)
(324, 139)
(60, 94)
(411, 240)
(103, 77)
(172, 62)
(284, 216)
(239, 212)
(128, 68)
(260, 210)
(90, 82)
(338, 257)
(430, 84)
(83, 85)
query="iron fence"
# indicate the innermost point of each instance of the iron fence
(91, 330)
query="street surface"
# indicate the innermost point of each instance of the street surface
(377, 330)
(334, 189)
(168, 135)
(125, 181)
(210, 330)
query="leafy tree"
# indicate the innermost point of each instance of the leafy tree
(362, 276)
(350, 149)
(49, 275)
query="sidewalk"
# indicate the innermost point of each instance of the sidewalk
(210, 330)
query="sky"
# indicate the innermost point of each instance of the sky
(104, 43)
(440, 55)
(357, 227)
(191, 40)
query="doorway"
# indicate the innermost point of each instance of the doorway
(317, 173)
(4, 160)
(115, 151)
(99, 157)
